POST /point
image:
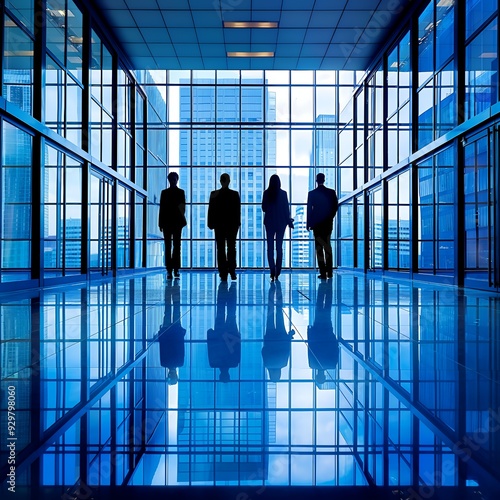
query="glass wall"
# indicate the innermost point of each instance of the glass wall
(423, 183)
(387, 140)
(18, 64)
(15, 204)
(62, 214)
(250, 124)
(47, 161)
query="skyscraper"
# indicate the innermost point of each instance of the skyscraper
(205, 153)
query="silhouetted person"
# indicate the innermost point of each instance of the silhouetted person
(277, 342)
(171, 335)
(322, 206)
(224, 217)
(323, 346)
(224, 340)
(277, 217)
(171, 221)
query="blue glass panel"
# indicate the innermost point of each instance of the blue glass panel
(481, 77)
(426, 44)
(18, 65)
(444, 31)
(477, 12)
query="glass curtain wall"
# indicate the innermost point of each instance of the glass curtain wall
(250, 124)
(47, 160)
(421, 180)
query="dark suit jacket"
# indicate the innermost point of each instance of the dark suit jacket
(322, 206)
(277, 211)
(323, 352)
(172, 346)
(172, 209)
(224, 210)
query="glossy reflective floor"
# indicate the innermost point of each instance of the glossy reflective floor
(355, 382)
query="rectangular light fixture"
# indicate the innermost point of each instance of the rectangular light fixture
(250, 24)
(250, 54)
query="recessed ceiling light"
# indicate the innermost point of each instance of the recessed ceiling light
(250, 54)
(250, 24)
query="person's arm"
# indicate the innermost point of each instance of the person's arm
(286, 205)
(264, 202)
(286, 211)
(162, 209)
(335, 206)
(211, 211)
(182, 205)
(309, 211)
(238, 207)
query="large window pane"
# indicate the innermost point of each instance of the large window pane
(15, 198)
(477, 12)
(17, 66)
(481, 73)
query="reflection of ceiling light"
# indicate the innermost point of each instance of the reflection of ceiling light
(488, 55)
(250, 54)
(56, 13)
(250, 24)
(446, 3)
(395, 64)
(77, 40)
(429, 27)
(60, 13)
(22, 53)
(9, 23)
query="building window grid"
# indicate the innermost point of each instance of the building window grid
(218, 131)
(441, 57)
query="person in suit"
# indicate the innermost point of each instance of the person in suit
(224, 217)
(322, 206)
(276, 218)
(277, 342)
(224, 340)
(323, 346)
(171, 334)
(171, 220)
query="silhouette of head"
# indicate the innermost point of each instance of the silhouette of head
(225, 180)
(224, 375)
(320, 178)
(172, 377)
(173, 178)
(274, 182)
(274, 374)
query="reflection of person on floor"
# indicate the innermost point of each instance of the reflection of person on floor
(323, 351)
(224, 340)
(171, 334)
(277, 342)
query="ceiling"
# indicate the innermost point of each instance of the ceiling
(310, 35)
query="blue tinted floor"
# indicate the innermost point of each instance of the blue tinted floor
(366, 386)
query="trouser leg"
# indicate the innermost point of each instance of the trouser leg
(270, 251)
(328, 255)
(167, 237)
(319, 242)
(176, 251)
(221, 253)
(231, 251)
(279, 251)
